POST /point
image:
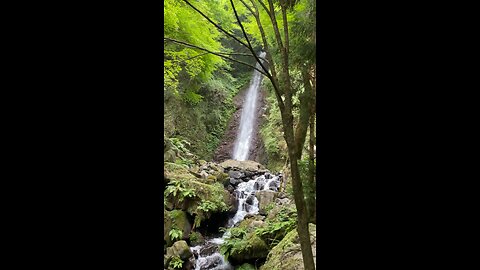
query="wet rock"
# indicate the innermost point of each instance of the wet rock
(235, 174)
(258, 185)
(208, 250)
(230, 188)
(250, 199)
(233, 204)
(190, 264)
(235, 181)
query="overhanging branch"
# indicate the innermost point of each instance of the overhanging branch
(215, 53)
(216, 25)
(248, 41)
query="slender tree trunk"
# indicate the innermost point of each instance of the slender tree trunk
(311, 176)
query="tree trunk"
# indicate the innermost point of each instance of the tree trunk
(302, 215)
(311, 200)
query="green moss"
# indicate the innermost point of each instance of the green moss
(175, 220)
(287, 254)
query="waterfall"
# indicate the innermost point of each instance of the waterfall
(247, 119)
(208, 255)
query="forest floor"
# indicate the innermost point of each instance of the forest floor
(225, 148)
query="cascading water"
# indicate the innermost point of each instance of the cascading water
(247, 119)
(208, 255)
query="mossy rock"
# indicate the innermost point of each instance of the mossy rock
(176, 219)
(223, 178)
(206, 192)
(196, 239)
(251, 223)
(245, 266)
(287, 255)
(247, 165)
(174, 171)
(254, 248)
(169, 156)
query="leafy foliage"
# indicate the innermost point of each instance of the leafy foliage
(277, 228)
(176, 262)
(179, 190)
(206, 207)
(175, 234)
(234, 242)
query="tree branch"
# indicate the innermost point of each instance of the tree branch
(216, 25)
(269, 56)
(248, 7)
(215, 53)
(248, 40)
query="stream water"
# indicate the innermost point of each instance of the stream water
(207, 255)
(245, 131)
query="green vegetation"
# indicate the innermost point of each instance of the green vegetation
(278, 227)
(176, 262)
(209, 54)
(175, 234)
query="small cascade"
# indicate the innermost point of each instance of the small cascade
(207, 255)
(245, 131)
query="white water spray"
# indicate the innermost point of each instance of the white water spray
(247, 204)
(245, 130)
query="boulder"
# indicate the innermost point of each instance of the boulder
(235, 181)
(230, 188)
(196, 239)
(247, 165)
(176, 219)
(181, 249)
(265, 197)
(287, 254)
(169, 156)
(254, 248)
(236, 174)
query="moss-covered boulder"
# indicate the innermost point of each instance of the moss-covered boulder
(287, 255)
(245, 266)
(251, 223)
(196, 239)
(179, 249)
(265, 198)
(176, 219)
(254, 248)
(199, 197)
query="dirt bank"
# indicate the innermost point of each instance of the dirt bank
(225, 149)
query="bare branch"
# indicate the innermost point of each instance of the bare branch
(272, 65)
(248, 7)
(248, 40)
(264, 6)
(215, 53)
